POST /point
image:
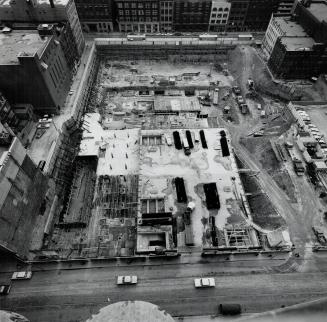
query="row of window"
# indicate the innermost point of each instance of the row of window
(140, 19)
(134, 5)
(218, 21)
(219, 15)
(219, 9)
(139, 12)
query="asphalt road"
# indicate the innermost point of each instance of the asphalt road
(74, 293)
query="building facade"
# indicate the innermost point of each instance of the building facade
(23, 188)
(166, 15)
(286, 7)
(259, 13)
(96, 15)
(237, 15)
(28, 55)
(219, 15)
(191, 15)
(44, 11)
(138, 16)
(7, 114)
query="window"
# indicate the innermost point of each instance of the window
(133, 5)
(120, 5)
(154, 12)
(126, 12)
(219, 15)
(226, 9)
(148, 5)
(154, 5)
(141, 12)
(140, 5)
(212, 21)
(225, 15)
(214, 9)
(214, 15)
(148, 12)
(126, 5)
(121, 12)
(223, 21)
(134, 12)
(220, 9)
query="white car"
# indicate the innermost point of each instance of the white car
(204, 282)
(122, 280)
(26, 275)
(43, 126)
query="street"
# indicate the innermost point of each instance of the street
(75, 292)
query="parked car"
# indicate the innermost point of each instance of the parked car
(126, 280)
(5, 289)
(24, 275)
(204, 282)
(236, 90)
(43, 126)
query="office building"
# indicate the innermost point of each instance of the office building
(166, 15)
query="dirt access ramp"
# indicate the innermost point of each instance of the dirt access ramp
(244, 63)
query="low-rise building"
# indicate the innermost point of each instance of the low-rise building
(96, 16)
(138, 16)
(26, 56)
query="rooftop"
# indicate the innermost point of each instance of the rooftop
(16, 42)
(289, 27)
(298, 43)
(319, 10)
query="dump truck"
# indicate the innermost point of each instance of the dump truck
(189, 239)
(215, 96)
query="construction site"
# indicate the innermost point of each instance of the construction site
(180, 154)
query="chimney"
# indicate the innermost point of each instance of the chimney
(52, 3)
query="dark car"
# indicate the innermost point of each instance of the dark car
(5, 289)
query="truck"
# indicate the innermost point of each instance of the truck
(251, 84)
(215, 96)
(244, 108)
(186, 147)
(240, 100)
(189, 240)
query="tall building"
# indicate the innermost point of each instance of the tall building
(96, 15)
(138, 16)
(44, 11)
(33, 69)
(219, 15)
(191, 15)
(23, 188)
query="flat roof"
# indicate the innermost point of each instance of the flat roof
(319, 10)
(22, 41)
(289, 27)
(175, 103)
(117, 150)
(298, 43)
